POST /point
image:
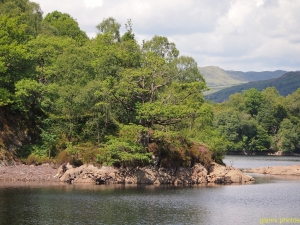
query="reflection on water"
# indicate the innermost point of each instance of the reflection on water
(56, 203)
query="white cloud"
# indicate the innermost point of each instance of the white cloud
(232, 34)
(260, 3)
(93, 3)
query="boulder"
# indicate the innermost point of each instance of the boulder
(199, 174)
(146, 175)
(165, 176)
(226, 174)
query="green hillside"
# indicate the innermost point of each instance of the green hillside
(218, 79)
(255, 76)
(286, 84)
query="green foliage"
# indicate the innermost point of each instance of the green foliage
(187, 69)
(29, 12)
(15, 61)
(254, 100)
(28, 93)
(173, 150)
(236, 101)
(289, 135)
(110, 25)
(34, 159)
(272, 112)
(120, 153)
(255, 121)
(215, 142)
(65, 25)
(271, 116)
(293, 103)
(126, 149)
(102, 99)
(5, 97)
(162, 48)
(261, 140)
(243, 131)
(128, 35)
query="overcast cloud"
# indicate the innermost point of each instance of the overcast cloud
(241, 35)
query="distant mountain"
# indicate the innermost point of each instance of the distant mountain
(218, 79)
(215, 77)
(286, 84)
(255, 76)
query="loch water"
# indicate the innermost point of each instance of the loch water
(268, 200)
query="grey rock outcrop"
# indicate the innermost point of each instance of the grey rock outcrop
(226, 174)
(197, 174)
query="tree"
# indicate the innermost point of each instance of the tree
(272, 112)
(236, 101)
(30, 14)
(98, 111)
(6, 97)
(125, 148)
(45, 52)
(242, 130)
(33, 99)
(109, 91)
(254, 101)
(293, 103)
(28, 94)
(106, 62)
(187, 70)
(65, 25)
(128, 36)
(161, 47)
(110, 25)
(73, 65)
(68, 108)
(289, 135)
(15, 60)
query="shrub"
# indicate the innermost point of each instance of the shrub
(63, 157)
(175, 150)
(120, 153)
(34, 159)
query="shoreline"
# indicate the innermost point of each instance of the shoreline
(276, 170)
(89, 174)
(262, 153)
(22, 172)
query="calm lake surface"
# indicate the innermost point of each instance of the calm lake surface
(271, 197)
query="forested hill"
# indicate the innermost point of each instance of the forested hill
(286, 84)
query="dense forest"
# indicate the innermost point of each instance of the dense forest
(65, 97)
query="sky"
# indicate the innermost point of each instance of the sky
(245, 35)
